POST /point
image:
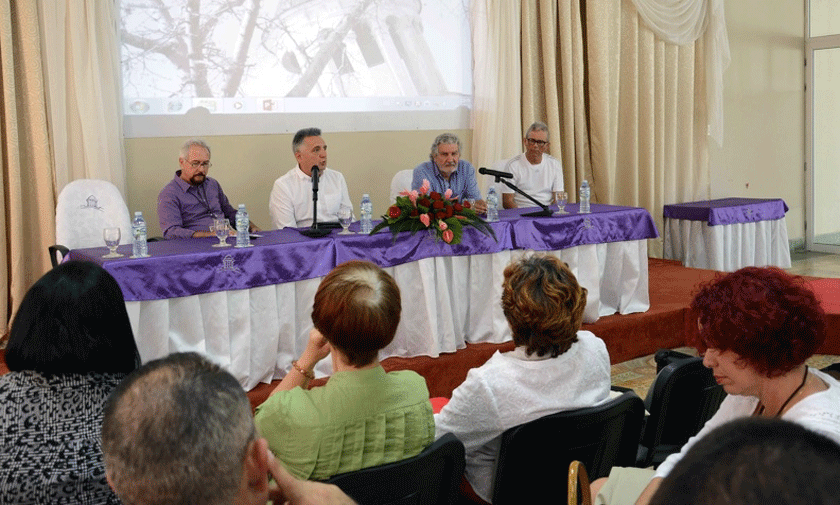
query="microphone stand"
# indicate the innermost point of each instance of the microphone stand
(314, 231)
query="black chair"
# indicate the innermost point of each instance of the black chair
(534, 457)
(683, 397)
(433, 476)
(833, 370)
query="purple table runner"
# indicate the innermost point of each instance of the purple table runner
(188, 267)
(728, 210)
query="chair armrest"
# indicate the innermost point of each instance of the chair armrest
(54, 249)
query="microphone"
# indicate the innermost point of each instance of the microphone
(495, 173)
(315, 178)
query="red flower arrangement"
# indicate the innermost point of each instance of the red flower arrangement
(421, 209)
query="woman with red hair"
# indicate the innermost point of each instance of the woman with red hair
(755, 328)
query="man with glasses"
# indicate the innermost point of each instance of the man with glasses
(191, 200)
(535, 172)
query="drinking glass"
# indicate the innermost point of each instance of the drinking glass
(220, 228)
(112, 240)
(561, 198)
(345, 217)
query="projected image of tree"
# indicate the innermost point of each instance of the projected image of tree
(176, 50)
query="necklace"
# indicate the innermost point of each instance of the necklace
(789, 398)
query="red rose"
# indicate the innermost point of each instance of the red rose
(394, 212)
(458, 207)
(425, 202)
(440, 215)
(434, 195)
(466, 204)
(438, 204)
(414, 213)
(449, 211)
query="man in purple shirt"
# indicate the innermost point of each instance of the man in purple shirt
(446, 170)
(191, 200)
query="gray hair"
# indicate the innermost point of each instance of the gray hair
(176, 431)
(538, 126)
(301, 135)
(444, 138)
(185, 149)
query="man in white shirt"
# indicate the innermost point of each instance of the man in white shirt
(535, 172)
(290, 203)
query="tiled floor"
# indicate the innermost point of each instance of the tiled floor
(638, 374)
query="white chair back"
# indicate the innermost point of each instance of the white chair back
(401, 181)
(84, 208)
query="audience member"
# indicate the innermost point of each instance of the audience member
(534, 171)
(70, 345)
(179, 430)
(446, 170)
(755, 461)
(191, 200)
(290, 203)
(555, 366)
(755, 329)
(363, 416)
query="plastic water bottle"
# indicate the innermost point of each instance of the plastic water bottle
(492, 205)
(366, 211)
(584, 197)
(243, 239)
(138, 228)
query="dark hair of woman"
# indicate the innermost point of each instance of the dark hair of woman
(73, 320)
(543, 303)
(357, 308)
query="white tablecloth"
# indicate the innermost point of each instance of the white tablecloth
(447, 301)
(727, 247)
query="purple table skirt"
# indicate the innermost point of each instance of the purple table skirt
(728, 210)
(188, 267)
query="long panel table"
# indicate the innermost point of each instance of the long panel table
(728, 233)
(249, 309)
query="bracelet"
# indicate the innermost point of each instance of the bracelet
(309, 375)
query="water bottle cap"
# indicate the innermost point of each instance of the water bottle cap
(365, 195)
(241, 205)
(138, 213)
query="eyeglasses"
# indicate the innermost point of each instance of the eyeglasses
(196, 164)
(536, 142)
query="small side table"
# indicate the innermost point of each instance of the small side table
(728, 233)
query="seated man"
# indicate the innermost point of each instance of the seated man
(290, 203)
(535, 172)
(180, 430)
(446, 170)
(755, 460)
(190, 202)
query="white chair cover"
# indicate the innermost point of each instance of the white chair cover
(84, 208)
(401, 181)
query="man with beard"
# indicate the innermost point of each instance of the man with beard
(446, 170)
(191, 200)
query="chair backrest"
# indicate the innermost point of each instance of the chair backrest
(683, 397)
(401, 181)
(535, 456)
(433, 476)
(84, 208)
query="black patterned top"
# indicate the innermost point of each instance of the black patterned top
(50, 442)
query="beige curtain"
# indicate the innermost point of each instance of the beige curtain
(648, 119)
(496, 116)
(627, 110)
(27, 223)
(82, 67)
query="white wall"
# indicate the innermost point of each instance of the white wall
(762, 154)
